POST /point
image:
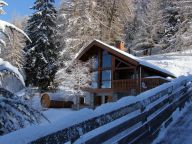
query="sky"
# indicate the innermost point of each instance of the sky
(19, 8)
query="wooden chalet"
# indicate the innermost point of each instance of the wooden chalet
(117, 74)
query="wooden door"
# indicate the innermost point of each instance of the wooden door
(97, 100)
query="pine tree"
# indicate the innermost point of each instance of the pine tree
(42, 53)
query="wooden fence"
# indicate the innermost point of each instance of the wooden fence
(154, 111)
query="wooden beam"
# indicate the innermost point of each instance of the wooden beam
(123, 62)
(140, 78)
(99, 68)
(118, 64)
(125, 68)
(113, 71)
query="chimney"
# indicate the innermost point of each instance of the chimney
(120, 45)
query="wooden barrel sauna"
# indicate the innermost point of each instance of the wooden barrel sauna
(54, 101)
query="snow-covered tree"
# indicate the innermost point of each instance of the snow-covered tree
(42, 53)
(180, 13)
(77, 26)
(13, 52)
(145, 30)
(14, 113)
(75, 79)
(5, 25)
(162, 25)
(81, 21)
(112, 16)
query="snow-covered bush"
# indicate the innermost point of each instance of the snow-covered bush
(10, 77)
(74, 79)
(14, 113)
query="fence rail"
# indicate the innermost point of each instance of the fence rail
(153, 112)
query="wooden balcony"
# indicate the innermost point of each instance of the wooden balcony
(130, 85)
(134, 84)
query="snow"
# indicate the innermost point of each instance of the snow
(140, 61)
(179, 131)
(4, 25)
(60, 121)
(61, 95)
(177, 63)
(2, 3)
(4, 65)
(55, 115)
(157, 77)
(3, 43)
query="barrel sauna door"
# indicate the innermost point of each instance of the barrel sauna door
(45, 101)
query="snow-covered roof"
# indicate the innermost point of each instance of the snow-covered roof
(4, 65)
(140, 61)
(59, 96)
(158, 77)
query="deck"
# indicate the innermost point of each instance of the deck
(138, 85)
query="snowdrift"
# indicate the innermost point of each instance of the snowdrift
(10, 77)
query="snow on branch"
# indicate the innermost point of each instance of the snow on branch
(2, 3)
(4, 25)
(15, 113)
(4, 65)
(75, 79)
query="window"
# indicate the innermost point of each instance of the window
(95, 62)
(95, 76)
(101, 72)
(106, 84)
(106, 60)
(106, 79)
(94, 83)
(106, 75)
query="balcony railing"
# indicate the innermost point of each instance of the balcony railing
(125, 84)
(137, 85)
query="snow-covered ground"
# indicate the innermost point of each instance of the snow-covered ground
(177, 63)
(63, 118)
(180, 131)
(53, 115)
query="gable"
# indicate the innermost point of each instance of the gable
(95, 46)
